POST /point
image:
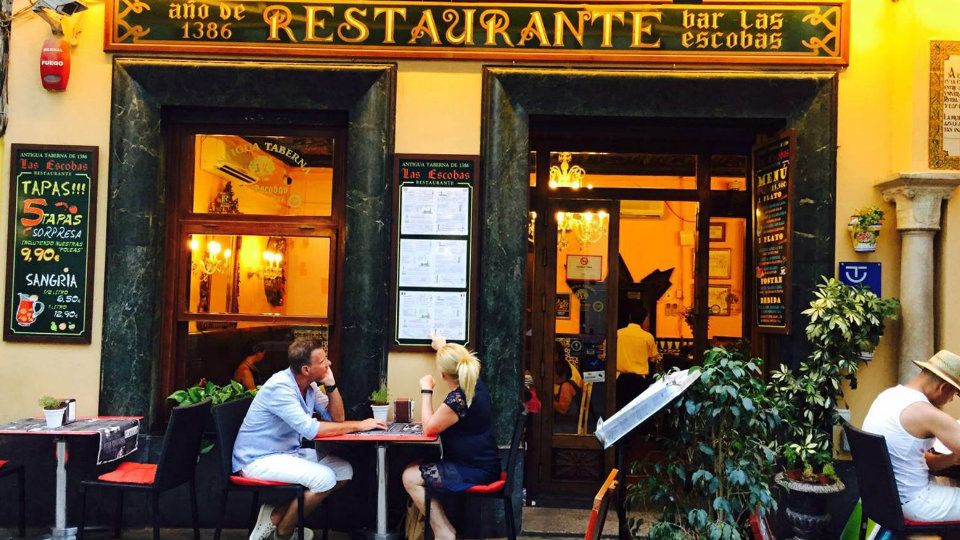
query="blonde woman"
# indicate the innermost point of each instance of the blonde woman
(464, 422)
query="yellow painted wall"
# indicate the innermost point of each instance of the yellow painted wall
(882, 131)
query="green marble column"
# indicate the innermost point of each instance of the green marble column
(148, 91)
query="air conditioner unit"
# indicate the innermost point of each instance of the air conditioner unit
(641, 209)
(230, 156)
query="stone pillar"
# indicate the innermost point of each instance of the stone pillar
(917, 197)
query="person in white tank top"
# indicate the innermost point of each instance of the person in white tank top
(909, 417)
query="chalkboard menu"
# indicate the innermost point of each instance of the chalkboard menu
(435, 268)
(772, 200)
(53, 192)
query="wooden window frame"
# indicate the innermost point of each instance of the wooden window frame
(182, 221)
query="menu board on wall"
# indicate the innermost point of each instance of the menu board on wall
(772, 209)
(434, 262)
(50, 243)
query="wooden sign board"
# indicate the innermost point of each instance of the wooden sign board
(50, 247)
(773, 180)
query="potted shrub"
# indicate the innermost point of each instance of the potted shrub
(380, 402)
(718, 454)
(53, 410)
(217, 395)
(843, 320)
(865, 227)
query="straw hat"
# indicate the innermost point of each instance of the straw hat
(945, 365)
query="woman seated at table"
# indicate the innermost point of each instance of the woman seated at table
(464, 422)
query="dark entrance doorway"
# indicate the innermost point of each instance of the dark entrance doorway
(640, 244)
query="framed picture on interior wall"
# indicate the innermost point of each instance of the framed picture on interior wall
(718, 301)
(718, 232)
(562, 304)
(719, 265)
(944, 132)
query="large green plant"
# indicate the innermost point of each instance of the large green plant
(718, 455)
(208, 390)
(844, 321)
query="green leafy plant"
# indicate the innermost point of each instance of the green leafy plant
(843, 320)
(380, 396)
(718, 454)
(866, 217)
(51, 403)
(208, 390)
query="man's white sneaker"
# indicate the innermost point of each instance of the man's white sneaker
(264, 528)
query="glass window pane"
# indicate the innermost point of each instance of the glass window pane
(259, 275)
(725, 290)
(247, 352)
(586, 170)
(274, 176)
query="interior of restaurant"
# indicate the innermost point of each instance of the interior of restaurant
(615, 237)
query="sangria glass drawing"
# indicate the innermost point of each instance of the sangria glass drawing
(28, 310)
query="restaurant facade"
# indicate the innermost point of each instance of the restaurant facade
(367, 173)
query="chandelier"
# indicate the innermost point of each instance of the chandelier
(588, 227)
(564, 175)
(215, 260)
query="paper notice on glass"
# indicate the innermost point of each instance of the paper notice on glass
(654, 398)
(421, 314)
(435, 210)
(433, 263)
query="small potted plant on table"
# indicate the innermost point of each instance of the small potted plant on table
(865, 227)
(53, 409)
(380, 402)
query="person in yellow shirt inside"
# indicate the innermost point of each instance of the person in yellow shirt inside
(636, 350)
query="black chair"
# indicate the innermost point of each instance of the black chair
(880, 500)
(228, 418)
(177, 465)
(17, 470)
(502, 489)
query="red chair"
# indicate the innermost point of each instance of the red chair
(6, 469)
(502, 489)
(879, 497)
(598, 513)
(177, 466)
(228, 418)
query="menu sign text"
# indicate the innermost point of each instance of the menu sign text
(51, 241)
(772, 190)
(434, 263)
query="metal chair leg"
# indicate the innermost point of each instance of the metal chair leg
(254, 510)
(223, 511)
(194, 511)
(118, 518)
(508, 511)
(83, 512)
(427, 529)
(300, 515)
(325, 510)
(156, 515)
(22, 492)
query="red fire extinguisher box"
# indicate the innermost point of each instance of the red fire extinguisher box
(55, 64)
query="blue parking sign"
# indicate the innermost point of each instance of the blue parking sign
(861, 273)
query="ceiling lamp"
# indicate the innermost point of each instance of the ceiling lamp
(564, 175)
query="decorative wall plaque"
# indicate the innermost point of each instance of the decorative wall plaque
(944, 145)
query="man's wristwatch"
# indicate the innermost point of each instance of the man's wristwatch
(330, 388)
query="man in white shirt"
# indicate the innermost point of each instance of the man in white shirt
(910, 417)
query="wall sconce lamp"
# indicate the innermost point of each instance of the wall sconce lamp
(215, 260)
